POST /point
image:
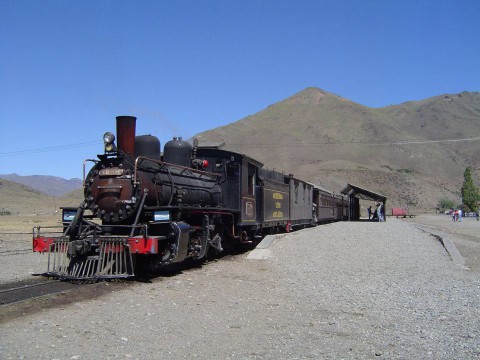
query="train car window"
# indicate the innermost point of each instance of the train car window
(218, 166)
(296, 192)
(233, 171)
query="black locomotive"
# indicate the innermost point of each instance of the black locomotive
(143, 208)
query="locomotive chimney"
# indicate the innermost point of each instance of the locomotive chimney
(126, 134)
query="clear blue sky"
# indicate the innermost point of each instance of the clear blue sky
(67, 68)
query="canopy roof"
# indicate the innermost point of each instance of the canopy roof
(364, 194)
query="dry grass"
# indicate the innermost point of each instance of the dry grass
(25, 223)
(22, 200)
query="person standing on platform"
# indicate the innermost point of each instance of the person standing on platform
(379, 212)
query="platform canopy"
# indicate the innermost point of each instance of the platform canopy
(363, 194)
(355, 194)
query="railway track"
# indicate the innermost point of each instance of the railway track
(15, 243)
(15, 252)
(30, 289)
(31, 296)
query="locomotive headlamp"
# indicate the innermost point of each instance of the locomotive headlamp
(108, 140)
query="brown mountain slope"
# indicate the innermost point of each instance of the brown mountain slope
(331, 141)
(50, 185)
(20, 199)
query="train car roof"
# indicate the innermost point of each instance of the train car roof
(217, 148)
(315, 186)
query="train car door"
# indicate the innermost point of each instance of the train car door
(249, 180)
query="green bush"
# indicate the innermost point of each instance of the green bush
(445, 203)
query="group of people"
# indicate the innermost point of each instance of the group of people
(457, 215)
(378, 214)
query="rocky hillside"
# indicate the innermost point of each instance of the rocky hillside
(404, 151)
(18, 199)
(50, 185)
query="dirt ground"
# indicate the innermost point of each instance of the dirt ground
(25, 223)
(351, 290)
(465, 235)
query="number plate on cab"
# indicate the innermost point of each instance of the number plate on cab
(111, 172)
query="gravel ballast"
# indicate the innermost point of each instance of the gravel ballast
(344, 290)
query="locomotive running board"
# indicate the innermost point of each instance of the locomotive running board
(114, 261)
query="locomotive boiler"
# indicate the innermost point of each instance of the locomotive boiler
(125, 179)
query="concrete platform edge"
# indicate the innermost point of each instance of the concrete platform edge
(261, 252)
(448, 244)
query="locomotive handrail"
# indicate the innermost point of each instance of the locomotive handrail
(37, 230)
(137, 160)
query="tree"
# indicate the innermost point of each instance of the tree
(470, 194)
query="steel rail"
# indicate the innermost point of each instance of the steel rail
(25, 287)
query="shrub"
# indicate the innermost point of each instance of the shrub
(445, 203)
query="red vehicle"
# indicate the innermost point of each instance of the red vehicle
(400, 212)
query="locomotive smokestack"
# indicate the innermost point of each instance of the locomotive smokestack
(126, 134)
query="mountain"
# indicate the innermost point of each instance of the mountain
(17, 198)
(50, 185)
(415, 153)
(394, 150)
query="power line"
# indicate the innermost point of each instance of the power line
(312, 144)
(433, 141)
(51, 148)
(315, 144)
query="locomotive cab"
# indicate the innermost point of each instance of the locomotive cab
(239, 180)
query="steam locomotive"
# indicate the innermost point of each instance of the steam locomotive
(146, 209)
